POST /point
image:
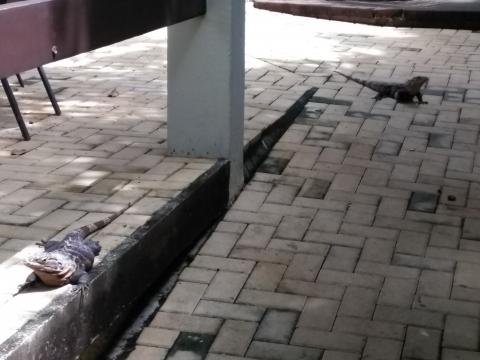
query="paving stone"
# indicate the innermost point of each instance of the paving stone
(392, 207)
(267, 350)
(398, 292)
(282, 194)
(231, 227)
(369, 231)
(184, 297)
(378, 250)
(186, 323)
(341, 258)
(298, 247)
(358, 302)
(219, 244)
(40, 207)
(327, 340)
(335, 239)
(471, 229)
(157, 337)
(191, 274)
(375, 177)
(369, 267)
(455, 307)
(466, 275)
(445, 236)
(147, 353)
(461, 333)
(409, 317)
(339, 355)
(422, 343)
(234, 337)
(425, 202)
(360, 214)
(271, 254)
(59, 219)
(345, 182)
(412, 243)
(229, 311)
(218, 263)
(249, 217)
(225, 286)
(249, 201)
(343, 278)
(310, 289)
(277, 326)
(382, 349)
(369, 328)
(272, 300)
(435, 283)
(265, 276)
(256, 236)
(304, 267)
(314, 188)
(318, 314)
(451, 354)
(328, 221)
(292, 227)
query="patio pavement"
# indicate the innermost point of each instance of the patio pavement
(358, 238)
(107, 150)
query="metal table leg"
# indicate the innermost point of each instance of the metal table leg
(50, 93)
(20, 80)
(15, 109)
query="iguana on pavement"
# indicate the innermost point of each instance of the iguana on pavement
(67, 261)
(403, 93)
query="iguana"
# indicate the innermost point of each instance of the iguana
(403, 93)
(67, 261)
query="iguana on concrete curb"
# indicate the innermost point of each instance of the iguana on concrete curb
(67, 261)
(403, 93)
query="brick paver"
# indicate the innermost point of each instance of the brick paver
(362, 244)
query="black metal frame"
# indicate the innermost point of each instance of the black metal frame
(64, 28)
(14, 105)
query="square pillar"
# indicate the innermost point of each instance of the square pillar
(206, 79)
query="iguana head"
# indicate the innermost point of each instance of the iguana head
(416, 83)
(53, 268)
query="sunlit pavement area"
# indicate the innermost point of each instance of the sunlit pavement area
(358, 237)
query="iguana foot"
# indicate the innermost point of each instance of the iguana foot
(80, 288)
(31, 279)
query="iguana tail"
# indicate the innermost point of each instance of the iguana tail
(358, 81)
(86, 230)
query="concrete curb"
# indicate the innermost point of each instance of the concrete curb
(83, 326)
(413, 13)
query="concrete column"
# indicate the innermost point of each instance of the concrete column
(206, 78)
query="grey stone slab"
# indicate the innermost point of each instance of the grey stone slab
(424, 202)
(315, 188)
(277, 326)
(471, 229)
(461, 333)
(267, 350)
(190, 346)
(422, 343)
(319, 314)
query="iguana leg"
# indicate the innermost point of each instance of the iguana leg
(420, 99)
(80, 279)
(31, 279)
